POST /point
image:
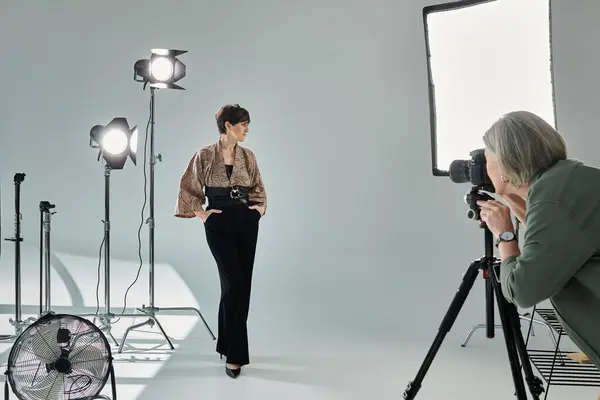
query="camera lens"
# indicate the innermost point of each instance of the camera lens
(459, 171)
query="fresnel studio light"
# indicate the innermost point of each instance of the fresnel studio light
(161, 70)
(115, 142)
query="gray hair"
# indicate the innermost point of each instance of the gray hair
(525, 145)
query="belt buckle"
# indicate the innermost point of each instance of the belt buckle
(235, 193)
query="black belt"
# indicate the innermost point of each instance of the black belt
(225, 196)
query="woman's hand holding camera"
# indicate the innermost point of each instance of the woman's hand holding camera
(496, 216)
(203, 215)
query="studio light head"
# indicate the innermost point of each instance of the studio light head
(162, 70)
(115, 142)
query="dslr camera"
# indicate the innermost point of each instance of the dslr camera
(474, 171)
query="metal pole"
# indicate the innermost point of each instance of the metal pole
(151, 217)
(17, 322)
(107, 242)
(45, 256)
(47, 216)
(41, 260)
(18, 179)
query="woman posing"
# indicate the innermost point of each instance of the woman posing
(227, 175)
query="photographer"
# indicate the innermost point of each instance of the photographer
(558, 200)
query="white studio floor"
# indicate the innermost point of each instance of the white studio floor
(297, 368)
(312, 361)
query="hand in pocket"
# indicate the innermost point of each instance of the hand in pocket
(260, 209)
(203, 215)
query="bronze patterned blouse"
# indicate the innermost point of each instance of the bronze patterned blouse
(207, 168)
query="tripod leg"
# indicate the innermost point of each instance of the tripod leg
(535, 384)
(515, 345)
(453, 311)
(489, 309)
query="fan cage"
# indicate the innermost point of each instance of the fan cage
(59, 357)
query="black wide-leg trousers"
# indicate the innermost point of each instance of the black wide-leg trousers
(231, 236)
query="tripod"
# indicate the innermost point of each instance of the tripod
(107, 316)
(151, 309)
(17, 323)
(45, 216)
(508, 314)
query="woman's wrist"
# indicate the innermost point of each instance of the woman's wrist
(508, 249)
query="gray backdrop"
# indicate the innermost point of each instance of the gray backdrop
(359, 234)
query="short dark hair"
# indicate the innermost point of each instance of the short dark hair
(232, 113)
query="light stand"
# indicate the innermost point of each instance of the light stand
(146, 69)
(509, 316)
(45, 256)
(116, 142)
(17, 323)
(106, 317)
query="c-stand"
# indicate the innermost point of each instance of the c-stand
(509, 316)
(151, 310)
(17, 239)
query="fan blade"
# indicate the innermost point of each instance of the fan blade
(47, 387)
(42, 342)
(90, 359)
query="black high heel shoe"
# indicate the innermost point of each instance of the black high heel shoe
(233, 373)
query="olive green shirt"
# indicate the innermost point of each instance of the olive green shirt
(560, 252)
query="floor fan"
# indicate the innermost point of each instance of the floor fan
(60, 357)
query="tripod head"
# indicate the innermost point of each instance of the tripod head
(476, 194)
(46, 206)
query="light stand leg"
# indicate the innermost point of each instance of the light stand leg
(151, 309)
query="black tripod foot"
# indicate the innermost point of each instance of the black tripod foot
(536, 386)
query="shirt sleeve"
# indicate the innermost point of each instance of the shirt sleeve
(554, 248)
(256, 192)
(191, 194)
